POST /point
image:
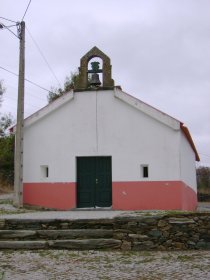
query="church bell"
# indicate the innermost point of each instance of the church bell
(95, 81)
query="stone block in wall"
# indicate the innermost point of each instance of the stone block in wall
(163, 223)
(155, 233)
(179, 245)
(2, 224)
(120, 235)
(138, 237)
(191, 244)
(126, 245)
(144, 245)
(184, 220)
(194, 238)
(205, 236)
(64, 225)
(203, 245)
(151, 221)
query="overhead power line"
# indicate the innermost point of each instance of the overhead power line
(26, 10)
(35, 84)
(42, 55)
(7, 27)
(15, 87)
(8, 19)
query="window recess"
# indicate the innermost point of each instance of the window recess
(44, 171)
(144, 171)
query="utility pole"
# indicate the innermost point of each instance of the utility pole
(18, 184)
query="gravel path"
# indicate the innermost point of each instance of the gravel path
(79, 265)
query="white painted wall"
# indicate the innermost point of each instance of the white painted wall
(187, 163)
(100, 124)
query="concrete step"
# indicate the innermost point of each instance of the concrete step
(55, 234)
(79, 244)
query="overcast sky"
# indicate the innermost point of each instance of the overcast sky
(159, 51)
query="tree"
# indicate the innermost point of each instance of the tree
(6, 145)
(7, 160)
(203, 179)
(6, 121)
(2, 90)
(54, 93)
(68, 85)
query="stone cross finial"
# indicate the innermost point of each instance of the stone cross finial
(82, 82)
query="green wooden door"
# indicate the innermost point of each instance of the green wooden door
(94, 182)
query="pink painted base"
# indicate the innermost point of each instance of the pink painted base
(162, 195)
(61, 196)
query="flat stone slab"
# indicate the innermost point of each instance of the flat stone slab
(23, 245)
(181, 221)
(10, 234)
(88, 244)
(75, 233)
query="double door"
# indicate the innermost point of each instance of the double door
(94, 182)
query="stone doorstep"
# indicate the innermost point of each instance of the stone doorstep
(89, 244)
(56, 234)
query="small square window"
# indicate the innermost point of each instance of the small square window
(145, 171)
(44, 171)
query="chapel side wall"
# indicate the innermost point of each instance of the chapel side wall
(187, 163)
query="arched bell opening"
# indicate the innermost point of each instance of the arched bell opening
(95, 72)
(102, 70)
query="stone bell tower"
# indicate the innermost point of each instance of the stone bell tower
(83, 83)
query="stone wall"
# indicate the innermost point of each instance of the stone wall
(171, 232)
(166, 232)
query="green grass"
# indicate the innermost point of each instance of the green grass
(6, 201)
(146, 260)
(167, 258)
(2, 275)
(185, 258)
(15, 211)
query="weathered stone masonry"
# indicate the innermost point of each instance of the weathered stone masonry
(166, 232)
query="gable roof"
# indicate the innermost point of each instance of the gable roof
(189, 138)
(125, 97)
